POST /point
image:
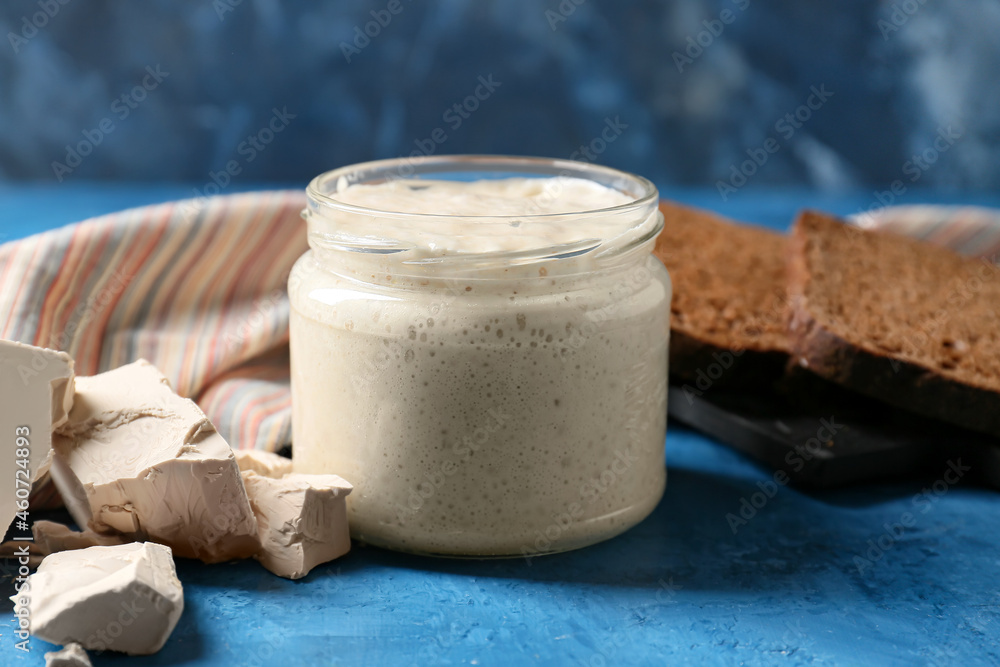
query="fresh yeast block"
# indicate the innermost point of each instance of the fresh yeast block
(36, 395)
(124, 598)
(136, 459)
(302, 520)
(265, 464)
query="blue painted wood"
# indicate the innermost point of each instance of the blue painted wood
(809, 579)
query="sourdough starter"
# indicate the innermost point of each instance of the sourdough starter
(514, 411)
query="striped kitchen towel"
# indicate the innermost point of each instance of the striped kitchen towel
(197, 287)
(970, 230)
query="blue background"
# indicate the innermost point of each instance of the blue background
(899, 72)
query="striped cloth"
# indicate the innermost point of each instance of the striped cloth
(196, 287)
(970, 230)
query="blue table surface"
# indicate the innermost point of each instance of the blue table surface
(821, 578)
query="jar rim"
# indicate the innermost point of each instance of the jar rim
(362, 231)
(497, 165)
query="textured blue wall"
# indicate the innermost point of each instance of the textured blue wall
(900, 73)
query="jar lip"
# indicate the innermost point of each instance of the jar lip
(498, 165)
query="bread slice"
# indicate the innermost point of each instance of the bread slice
(729, 310)
(912, 324)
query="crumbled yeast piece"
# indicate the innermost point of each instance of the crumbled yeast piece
(136, 459)
(124, 598)
(266, 464)
(302, 520)
(36, 395)
(52, 537)
(71, 655)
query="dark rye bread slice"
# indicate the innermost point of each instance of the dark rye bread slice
(900, 320)
(729, 309)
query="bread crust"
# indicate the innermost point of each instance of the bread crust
(896, 381)
(704, 359)
(694, 359)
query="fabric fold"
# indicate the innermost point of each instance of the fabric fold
(196, 287)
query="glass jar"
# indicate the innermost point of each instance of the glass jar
(509, 401)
